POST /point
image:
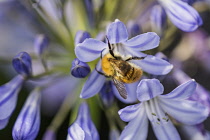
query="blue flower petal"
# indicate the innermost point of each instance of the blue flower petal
(161, 124)
(85, 123)
(128, 113)
(148, 89)
(8, 96)
(93, 84)
(3, 123)
(143, 42)
(28, 121)
(182, 15)
(131, 90)
(136, 129)
(183, 91)
(154, 65)
(117, 32)
(185, 111)
(89, 50)
(165, 131)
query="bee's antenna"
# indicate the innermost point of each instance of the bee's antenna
(110, 48)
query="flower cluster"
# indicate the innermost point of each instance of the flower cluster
(104, 70)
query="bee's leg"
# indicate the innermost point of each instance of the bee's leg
(101, 73)
(135, 58)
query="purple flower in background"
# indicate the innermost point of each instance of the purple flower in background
(182, 15)
(157, 108)
(117, 34)
(40, 44)
(133, 29)
(83, 127)
(27, 124)
(8, 99)
(81, 36)
(158, 19)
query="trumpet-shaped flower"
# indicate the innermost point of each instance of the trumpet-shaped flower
(182, 15)
(157, 108)
(8, 99)
(83, 128)
(117, 34)
(27, 124)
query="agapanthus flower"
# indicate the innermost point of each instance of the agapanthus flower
(117, 35)
(83, 128)
(27, 124)
(157, 108)
(182, 15)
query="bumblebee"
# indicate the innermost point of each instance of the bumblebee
(121, 71)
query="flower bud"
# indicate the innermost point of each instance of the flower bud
(22, 64)
(158, 19)
(182, 15)
(106, 94)
(8, 99)
(27, 124)
(79, 69)
(83, 128)
(81, 36)
(41, 42)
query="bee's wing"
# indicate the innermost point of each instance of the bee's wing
(121, 88)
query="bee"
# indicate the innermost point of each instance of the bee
(121, 71)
